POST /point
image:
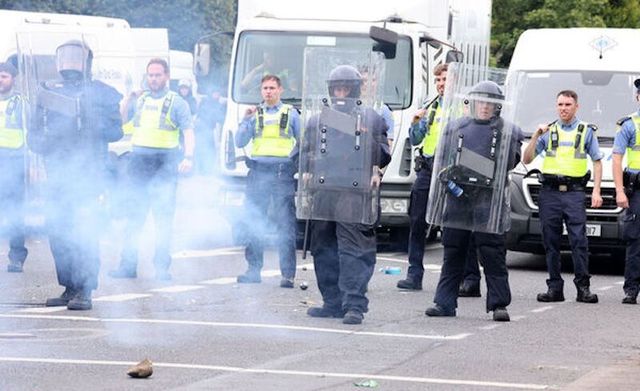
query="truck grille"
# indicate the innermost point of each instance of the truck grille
(608, 196)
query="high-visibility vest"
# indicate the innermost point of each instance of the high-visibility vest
(11, 134)
(633, 153)
(434, 126)
(272, 136)
(566, 153)
(152, 125)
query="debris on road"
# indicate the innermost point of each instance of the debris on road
(141, 370)
(304, 285)
(367, 384)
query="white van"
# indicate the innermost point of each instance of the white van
(600, 64)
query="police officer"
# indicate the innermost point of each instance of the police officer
(477, 133)
(567, 143)
(75, 120)
(424, 131)
(161, 118)
(12, 175)
(628, 197)
(344, 254)
(274, 128)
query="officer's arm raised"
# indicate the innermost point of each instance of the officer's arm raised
(530, 151)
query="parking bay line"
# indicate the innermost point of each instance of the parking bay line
(542, 309)
(265, 371)
(453, 337)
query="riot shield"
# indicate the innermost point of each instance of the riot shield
(469, 186)
(338, 177)
(59, 106)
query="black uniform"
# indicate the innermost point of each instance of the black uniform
(74, 148)
(344, 254)
(469, 207)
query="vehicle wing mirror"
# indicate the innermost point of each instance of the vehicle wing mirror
(454, 56)
(201, 59)
(386, 41)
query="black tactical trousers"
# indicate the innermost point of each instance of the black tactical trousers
(344, 257)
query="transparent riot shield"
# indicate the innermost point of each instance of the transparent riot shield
(72, 83)
(339, 176)
(469, 187)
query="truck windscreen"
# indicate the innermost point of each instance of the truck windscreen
(282, 54)
(603, 98)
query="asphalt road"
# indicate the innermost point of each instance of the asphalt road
(203, 331)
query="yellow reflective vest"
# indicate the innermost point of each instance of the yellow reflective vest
(633, 153)
(565, 154)
(272, 136)
(434, 126)
(152, 125)
(11, 133)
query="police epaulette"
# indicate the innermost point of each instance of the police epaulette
(594, 127)
(622, 120)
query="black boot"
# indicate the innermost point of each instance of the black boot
(550, 296)
(251, 276)
(353, 317)
(81, 301)
(63, 299)
(437, 310)
(411, 283)
(500, 314)
(585, 295)
(14, 267)
(630, 298)
(124, 271)
(326, 312)
(469, 289)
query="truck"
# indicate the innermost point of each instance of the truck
(596, 63)
(429, 33)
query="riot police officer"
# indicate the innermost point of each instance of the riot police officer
(424, 131)
(344, 254)
(628, 197)
(12, 175)
(274, 128)
(75, 119)
(567, 143)
(468, 206)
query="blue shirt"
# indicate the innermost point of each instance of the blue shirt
(247, 131)
(625, 138)
(591, 145)
(418, 131)
(387, 115)
(180, 115)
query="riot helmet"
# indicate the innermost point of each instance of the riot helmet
(345, 76)
(485, 101)
(73, 60)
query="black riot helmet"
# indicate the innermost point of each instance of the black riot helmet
(345, 76)
(73, 60)
(489, 93)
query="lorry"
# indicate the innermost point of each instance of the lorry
(596, 63)
(429, 33)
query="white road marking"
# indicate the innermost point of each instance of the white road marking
(454, 337)
(177, 288)
(220, 281)
(217, 252)
(16, 335)
(43, 310)
(489, 327)
(620, 283)
(270, 273)
(122, 297)
(605, 288)
(265, 371)
(517, 318)
(542, 309)
(429, 266)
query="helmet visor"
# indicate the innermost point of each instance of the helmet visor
(71, 58)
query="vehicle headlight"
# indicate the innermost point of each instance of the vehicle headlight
(394, 205)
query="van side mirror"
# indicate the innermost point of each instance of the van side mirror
(454, 56)
(386, 41)
(201, 59)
